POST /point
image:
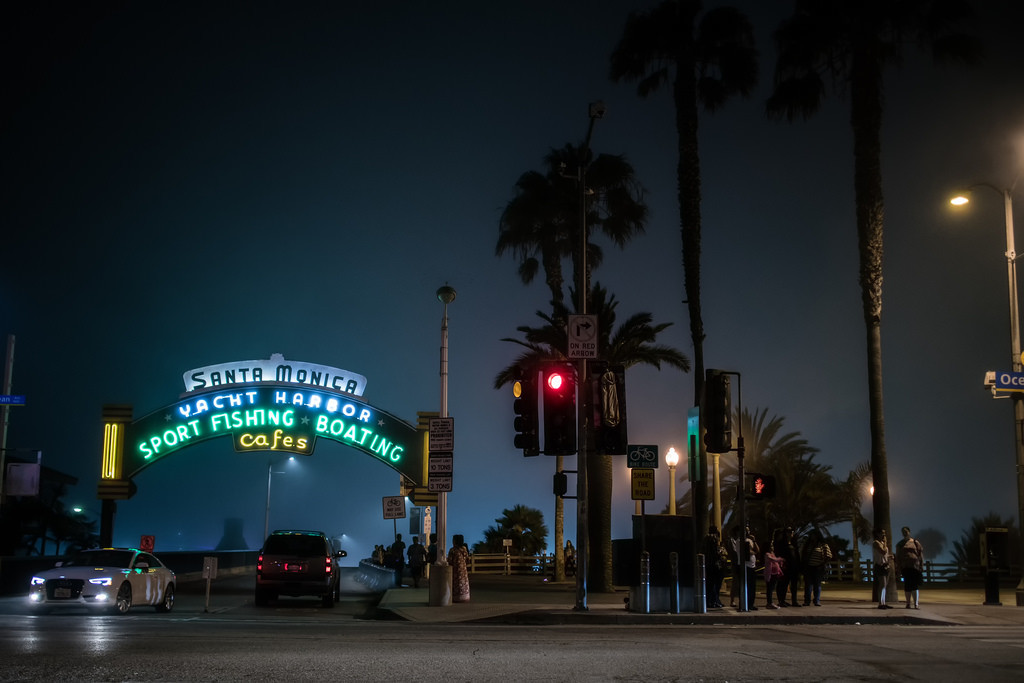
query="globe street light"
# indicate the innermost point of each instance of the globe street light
(1015, 359)
(671, 459)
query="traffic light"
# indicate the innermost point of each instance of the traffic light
(559, 389)
(717, 411)
(524, 389)
(560, 484)
(609, 382)
(760, 486)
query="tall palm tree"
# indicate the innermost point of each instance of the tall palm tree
(540, 226)
(705, 59)
(633, 342)
(851, 43)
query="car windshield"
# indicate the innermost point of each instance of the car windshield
(101, 558)
(295, 545)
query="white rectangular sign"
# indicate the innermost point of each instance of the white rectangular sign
(439, 464)
(441, 437)
(394, 507)
(440, 483)
(582, 335)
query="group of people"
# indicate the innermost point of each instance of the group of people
(786, 560)
(419, 556)
(907, 563)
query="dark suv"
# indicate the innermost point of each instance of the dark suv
(296, 563)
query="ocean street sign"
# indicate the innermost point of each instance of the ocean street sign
(1008, 382)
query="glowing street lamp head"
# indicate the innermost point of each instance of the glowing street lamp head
(672, 457)
(960, 200)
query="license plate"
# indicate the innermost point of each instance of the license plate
(62, 592)
(294, 567)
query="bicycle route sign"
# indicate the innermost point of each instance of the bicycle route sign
(643, 456)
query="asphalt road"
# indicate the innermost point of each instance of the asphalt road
(298, 639)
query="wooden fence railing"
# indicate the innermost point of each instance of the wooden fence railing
(839, 570)
(480, 563)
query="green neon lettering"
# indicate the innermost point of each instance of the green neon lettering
(321, 423)
(255, 418)
(396, 454)
(289, 418)
(366, 433)
(350, 434)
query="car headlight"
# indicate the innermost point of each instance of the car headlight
(106, 581)
(38, 581)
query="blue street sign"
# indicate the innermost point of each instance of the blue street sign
(1009, 381)
(12, 400)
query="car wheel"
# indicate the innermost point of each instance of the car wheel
(328, 599)
(123, 602)
(167, 604)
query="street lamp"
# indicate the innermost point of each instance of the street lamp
(1015, 359)
(671, 459)
(440, 594)
(270, 477)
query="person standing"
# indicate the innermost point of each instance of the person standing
(397, 552)
(882, 559)
(773, 572)
(750, 564)
(715, 571)
(814, 558)
(458, 559)
(910, 565)
(788, 550)
(417, 560)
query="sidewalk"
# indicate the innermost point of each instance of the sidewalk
(531, 600)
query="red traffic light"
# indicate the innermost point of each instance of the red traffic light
(555, 381)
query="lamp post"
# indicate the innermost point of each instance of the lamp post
(270, 478)
(671, 459)
(440, 594)
(1015, 359)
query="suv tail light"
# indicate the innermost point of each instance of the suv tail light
(327, 565)
(259, 564)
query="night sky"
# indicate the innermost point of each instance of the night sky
(185, 184)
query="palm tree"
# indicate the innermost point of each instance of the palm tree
(523, 525)
(633, 343)
(807, 495)
(967, 551)
(540, 226)
(706, 59)
(850, 43)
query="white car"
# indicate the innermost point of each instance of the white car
(108, 578)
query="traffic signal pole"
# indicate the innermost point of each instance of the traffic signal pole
(596, 111)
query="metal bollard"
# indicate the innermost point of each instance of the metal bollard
(645, 581)
(673, 564)
(700, 598)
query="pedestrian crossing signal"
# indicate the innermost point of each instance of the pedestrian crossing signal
(760, 486)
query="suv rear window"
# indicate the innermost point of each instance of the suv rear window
(295, 544)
